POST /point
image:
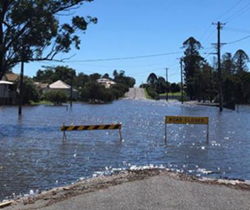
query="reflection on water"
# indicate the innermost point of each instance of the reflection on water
(34, 158)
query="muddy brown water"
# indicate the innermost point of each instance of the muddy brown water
(33, 157)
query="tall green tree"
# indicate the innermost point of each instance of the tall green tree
(152, 80)
(52, 74)
(192, 64)
(241, 59)
(227, 65)
(30, 91)
(30, 30)
(162, 86)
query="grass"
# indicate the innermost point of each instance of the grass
(39, 103)
(146, 94)
(170, 94)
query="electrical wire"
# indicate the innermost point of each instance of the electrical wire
(236, 30)
(225, 13)
(124, 58)
(238, 13)
(239, 40)
(229, 10)
(209, 38)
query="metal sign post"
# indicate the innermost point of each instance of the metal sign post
(187, 121)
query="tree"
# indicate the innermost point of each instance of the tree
(161, 85)
(152, 79)
(121, 78)
(44, 76)
(31, 31)
(80, 80)
(52, 74)
(241, 59)
(94, 77)
(106, 76)
(96, 93)
(227, 65)
(115, 74)
(192, 64)
(175, 88)
(30, 92)
(56, 97)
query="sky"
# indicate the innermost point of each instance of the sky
(135, 28)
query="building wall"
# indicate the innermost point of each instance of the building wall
(7, 96)
(4, 91)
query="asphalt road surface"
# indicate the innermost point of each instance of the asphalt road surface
(136, 93)
(158, 193)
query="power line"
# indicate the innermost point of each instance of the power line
(154, 70)
(236, 30)
(239, 40)
(125, 58)
(210, 37)
(238, 13)
(225, 13)
(229, 10)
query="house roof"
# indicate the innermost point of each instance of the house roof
(5, 83)
(104, 80)
(11, 77)
(41, 85)
(59, 85)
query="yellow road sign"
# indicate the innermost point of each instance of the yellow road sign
(186, 120)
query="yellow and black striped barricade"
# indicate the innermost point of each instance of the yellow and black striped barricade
(90, 128)
(187, 121)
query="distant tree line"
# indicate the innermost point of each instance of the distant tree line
(158, 85)
(201, 78)
(89, 89)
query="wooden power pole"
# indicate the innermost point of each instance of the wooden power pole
(21, 89)
(219, 27)
(167, 84)
(181, 80)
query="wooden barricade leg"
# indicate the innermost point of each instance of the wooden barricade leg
(208, 133)
(64, 134)
(120, 132)
(166, 134)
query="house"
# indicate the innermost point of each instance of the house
(41, 86)
(8, 89)
(10, 77)
(106, 82)
(62, 86)
(8, 94)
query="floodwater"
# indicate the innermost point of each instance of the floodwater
(33, 157)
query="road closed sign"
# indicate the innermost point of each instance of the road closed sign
(186, 120)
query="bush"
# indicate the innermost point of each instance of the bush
(56, 97)
(152, 93)
(30, 92)
(96, 93)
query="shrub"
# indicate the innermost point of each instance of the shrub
(56, 97)
(30, 92)
(152, 93)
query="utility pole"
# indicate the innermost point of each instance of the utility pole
(219, 27)
(167, 84)
(181, 80)
(71, 90)
(21, 87)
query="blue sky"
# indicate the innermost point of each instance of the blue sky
(128, 28)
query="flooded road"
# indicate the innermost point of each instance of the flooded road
(34, 158)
